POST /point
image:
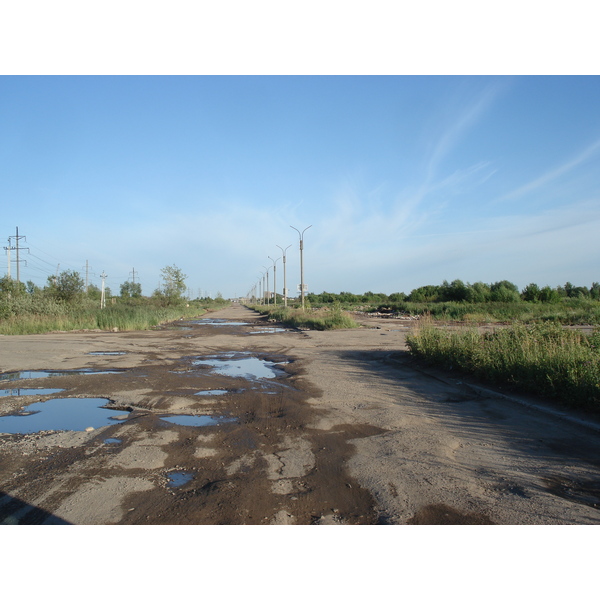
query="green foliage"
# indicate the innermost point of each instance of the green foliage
(544, 358)
(173, 285)
(67, 287)
(131, 290)
(322, 319)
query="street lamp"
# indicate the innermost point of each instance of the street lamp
(267, 268)
(284, 282)
(301, 263)
(274, 280)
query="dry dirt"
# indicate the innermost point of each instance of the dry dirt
(353, 431)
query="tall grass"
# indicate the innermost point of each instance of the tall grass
(320, 319)
(545, 359)
(121, 316)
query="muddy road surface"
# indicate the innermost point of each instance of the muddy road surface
(230, 419)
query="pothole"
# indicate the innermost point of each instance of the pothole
(179, 478)
(63, 414)
(19, 375)
(583, 492)
(196, 420)
(217, 322)
(241, 365)
(211, 393)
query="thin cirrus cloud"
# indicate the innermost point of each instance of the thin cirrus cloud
(553, 174)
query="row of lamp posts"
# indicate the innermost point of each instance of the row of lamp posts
(266, 273)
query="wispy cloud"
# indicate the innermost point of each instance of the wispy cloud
(553, 174)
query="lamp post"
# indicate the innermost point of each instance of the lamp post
(301, 263)
(274, 280)
(267, 268)
(284, 281)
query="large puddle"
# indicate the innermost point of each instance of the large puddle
(216, 322)
(241, 365)
(18, 375)
(196, 420)
(63, 414)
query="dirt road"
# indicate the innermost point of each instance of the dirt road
(247, 424)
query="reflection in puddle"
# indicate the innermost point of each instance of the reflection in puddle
(30, 391)
(217, 322)
(179, 478)
(62, 414)
(211, 393)
(240, 366)
(196, 420)
(18, 375)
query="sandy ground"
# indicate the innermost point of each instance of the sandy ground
(352, 431)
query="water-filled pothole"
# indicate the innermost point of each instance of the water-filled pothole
(63, 414)
(178, 478)
(269, 330)
(30, 391)
(196, 420)
(216, 322)
(113, 441)
(18, 375)
(241, 365)
(211, 393)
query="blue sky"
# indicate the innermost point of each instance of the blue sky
(404, 180)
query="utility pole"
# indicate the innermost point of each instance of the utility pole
(87, 278)
(274, 280)
(133, 275)
(8, 249)
(267, 268)
(284, 282)
(301, 263)
(102, 297)
(16, 237)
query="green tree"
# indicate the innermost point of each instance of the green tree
(131, 290)
(173, 284)
(10, 287)
(68, 286)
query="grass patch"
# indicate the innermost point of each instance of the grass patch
(544, 358)
(321, 319)
(124, 317)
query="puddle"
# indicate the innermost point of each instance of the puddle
(18, 375)
(101, 353)
(113, 441)
(211, 393)
(179, 478)
(195, 420)
(217, 322)
(241, 366)
(269, 330)
(62, 414)
(30, 391)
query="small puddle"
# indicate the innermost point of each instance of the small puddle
(179, 478)
(269, 330)
(18, 375)
(62, 414)
(195, 420)
(241, 366)
(30, 391)
(108, 353)
(113, 441)
(211, 393)
(216, 322)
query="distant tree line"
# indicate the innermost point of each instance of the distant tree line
(458, 291)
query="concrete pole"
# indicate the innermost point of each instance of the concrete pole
(274, 280)
(301, 263)
(284, 278)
